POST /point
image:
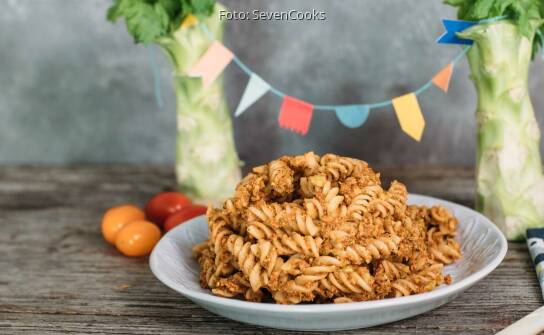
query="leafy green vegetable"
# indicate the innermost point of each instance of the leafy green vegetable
(509, 178)
(148, 20)
(207, 165)
(527, 14)
(198, 8)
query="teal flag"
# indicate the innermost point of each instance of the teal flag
(255, 89)
(352, 116)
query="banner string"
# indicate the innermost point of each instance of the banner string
(156, 75)
(247, 70)
(376, 105)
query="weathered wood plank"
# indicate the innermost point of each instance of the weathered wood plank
(35, 187)
(58, 275)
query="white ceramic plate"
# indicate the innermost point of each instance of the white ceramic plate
(482, 244)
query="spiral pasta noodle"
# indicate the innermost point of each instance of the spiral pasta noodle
(311, 228)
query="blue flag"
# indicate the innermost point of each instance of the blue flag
(453, 27)
(255, 89)
(352, 116)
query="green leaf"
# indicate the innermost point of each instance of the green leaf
(482, 8)
(198, 8)
(119, 8)
(526, 14)
(146, 22)
(113, 13)
(172, 7)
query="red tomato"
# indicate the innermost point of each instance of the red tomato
(183, 215)
(163, 204)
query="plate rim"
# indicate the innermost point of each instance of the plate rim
(444, 291)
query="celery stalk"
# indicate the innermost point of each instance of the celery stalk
(510, 184)
(207, 165)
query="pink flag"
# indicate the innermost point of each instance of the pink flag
(296, 115)
(211, 64)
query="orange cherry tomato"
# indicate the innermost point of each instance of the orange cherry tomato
(117, 217)
(163, 204)
(138, 238)
(184, 214)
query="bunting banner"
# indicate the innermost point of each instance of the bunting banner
(212, 64)
(352, 116)
(255, 89)
(296, 114)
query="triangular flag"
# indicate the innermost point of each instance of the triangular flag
(452, 28)
(442, 78)
(352, 116)
(211, 64)
(296, 115)
(409, 115)
(255, 89)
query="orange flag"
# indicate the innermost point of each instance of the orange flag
(442, 78)
(211, 64)
(409, 115)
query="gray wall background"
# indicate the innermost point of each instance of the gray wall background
(74, 88)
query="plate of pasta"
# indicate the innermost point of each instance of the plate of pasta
(317, 243)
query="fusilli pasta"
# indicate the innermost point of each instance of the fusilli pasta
(322, 229)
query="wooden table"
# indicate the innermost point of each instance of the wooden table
(57, 275)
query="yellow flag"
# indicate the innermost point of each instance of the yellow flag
(409, 114)
(189, 21)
